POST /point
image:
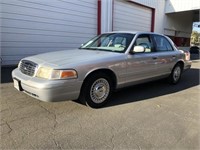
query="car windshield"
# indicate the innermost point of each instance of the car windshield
(114, 42)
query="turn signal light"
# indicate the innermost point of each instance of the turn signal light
(69, 74)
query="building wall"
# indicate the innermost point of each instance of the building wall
(177, 25)
(30, 27)
(106, 15)
(174, 18)
(126, 16)
(159, 6)
(107, 11)
(181, 5)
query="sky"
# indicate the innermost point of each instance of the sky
(196, 26)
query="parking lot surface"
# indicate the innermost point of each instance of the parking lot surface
(155, 115)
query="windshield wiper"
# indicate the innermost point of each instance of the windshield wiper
(101, 49)
(88, 48)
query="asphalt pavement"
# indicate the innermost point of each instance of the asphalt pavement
(155, 115)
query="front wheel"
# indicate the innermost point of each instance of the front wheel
(175, 75)
(96, 90)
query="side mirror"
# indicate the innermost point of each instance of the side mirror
(138, 49)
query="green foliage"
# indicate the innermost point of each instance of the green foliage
(195, 38)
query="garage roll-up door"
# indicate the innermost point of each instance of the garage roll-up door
(31, 27)
(130, 16)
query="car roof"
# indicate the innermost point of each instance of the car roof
(136, 32)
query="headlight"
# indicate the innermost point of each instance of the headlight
(49, 73)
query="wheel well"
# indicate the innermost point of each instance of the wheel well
(181, 64)
(108, 72)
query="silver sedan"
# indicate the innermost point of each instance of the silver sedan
(105, 63)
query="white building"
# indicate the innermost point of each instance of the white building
(30, 27)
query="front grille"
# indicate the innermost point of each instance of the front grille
(27, 67)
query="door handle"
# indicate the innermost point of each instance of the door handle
(154, 58)
(173, 57)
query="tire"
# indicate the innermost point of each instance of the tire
(175, 75)
(96, 90)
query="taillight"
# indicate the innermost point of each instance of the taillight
(187, 55)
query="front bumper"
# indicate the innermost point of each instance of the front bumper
(47, 90)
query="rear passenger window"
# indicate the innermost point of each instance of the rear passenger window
(162, 44)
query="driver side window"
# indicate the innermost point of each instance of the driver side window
(145, 41)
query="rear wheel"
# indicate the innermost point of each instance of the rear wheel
(175, 75)
(96, 90)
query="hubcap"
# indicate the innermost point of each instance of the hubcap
(100, 90)
(177, 73)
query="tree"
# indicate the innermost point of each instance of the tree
(195, 38)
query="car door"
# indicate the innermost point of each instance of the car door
(141, 66)
(166, 55)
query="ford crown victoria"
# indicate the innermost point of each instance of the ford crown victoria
(105, 63)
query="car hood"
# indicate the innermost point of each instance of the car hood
(71, 57)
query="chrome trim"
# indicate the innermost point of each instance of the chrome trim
(28, 67)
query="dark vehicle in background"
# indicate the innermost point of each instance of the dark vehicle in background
(195, 52)
(195, 49)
